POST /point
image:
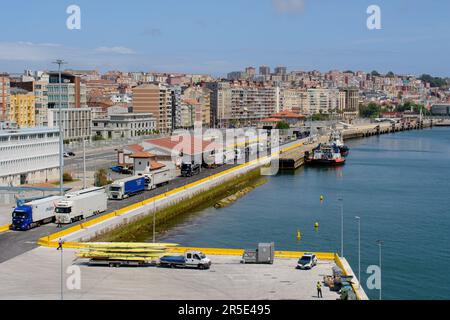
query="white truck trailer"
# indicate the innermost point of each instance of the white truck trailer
(157, 178)
(76, 207)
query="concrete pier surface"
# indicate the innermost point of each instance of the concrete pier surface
(36, 275)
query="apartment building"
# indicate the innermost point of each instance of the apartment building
(351, 109)
(242, 104)
(76, 123)
(319, 100)
(293, 99)
(251, 104)
(73, 92)
(22, 108)
(29, 156)
(201, 98)
(41, 98)
(4, 95)
(157, 100)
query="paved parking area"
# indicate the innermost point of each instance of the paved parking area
(36, 275)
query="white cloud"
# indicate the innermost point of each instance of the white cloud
(115, 50)
(26, 51)
(289, 6)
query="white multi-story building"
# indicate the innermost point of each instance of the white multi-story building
(125, 125)
(242, 104)
(29, 156)
(325, 101)
(77, 123)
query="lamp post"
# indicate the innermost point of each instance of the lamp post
(60, 247)
(61, 141)
(358, 219)
(341, 200)
(380, 244)
(154, 221)
(84, 164)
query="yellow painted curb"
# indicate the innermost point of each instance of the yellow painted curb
(240, 252)
(5, 228)
(339, 263)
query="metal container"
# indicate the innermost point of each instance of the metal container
(266, 253)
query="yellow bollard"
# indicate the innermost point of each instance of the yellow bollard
(322, 198)
(316, 226)
(299, 235)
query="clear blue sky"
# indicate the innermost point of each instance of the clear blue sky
(212, 36)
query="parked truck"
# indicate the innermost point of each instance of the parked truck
(125, 188)
(76, 207)
(34, 213)
(157, 178)
(190, 169)
(191, 259)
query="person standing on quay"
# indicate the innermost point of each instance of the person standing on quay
(319, 290)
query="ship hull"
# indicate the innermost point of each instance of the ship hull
(326, 162)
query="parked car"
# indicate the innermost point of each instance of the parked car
(117, 169)
(121, 170)
(308, 261)
(68, 154)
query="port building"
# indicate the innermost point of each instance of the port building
(29, 156)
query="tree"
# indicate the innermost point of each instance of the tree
(101, 178)
(67, 177)
(433, 81)
(282, 125)
(375, 73)
(319, 117)
(390, 74)
(372, 110)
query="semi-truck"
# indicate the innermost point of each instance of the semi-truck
(157, 178)
(125, 188)
(190, 259)
(190, 169)
(34, 213)
(76, 207)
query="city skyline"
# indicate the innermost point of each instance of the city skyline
(216, 38)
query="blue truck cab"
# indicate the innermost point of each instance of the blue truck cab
(35, 213)
(22, 218)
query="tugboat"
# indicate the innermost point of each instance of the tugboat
(326, 155)
(336, 138)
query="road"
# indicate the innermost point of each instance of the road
(14, 243)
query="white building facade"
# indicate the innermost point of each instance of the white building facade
(77, 123)
(29, 156)
(126, 125)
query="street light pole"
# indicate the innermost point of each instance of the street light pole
(154, 222)
(358, 219)
(61, 141)
(380, 244)
(84, 164)
(60, 247)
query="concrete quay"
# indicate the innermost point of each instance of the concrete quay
(373, 129)
(36, 275)
(295, 157)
